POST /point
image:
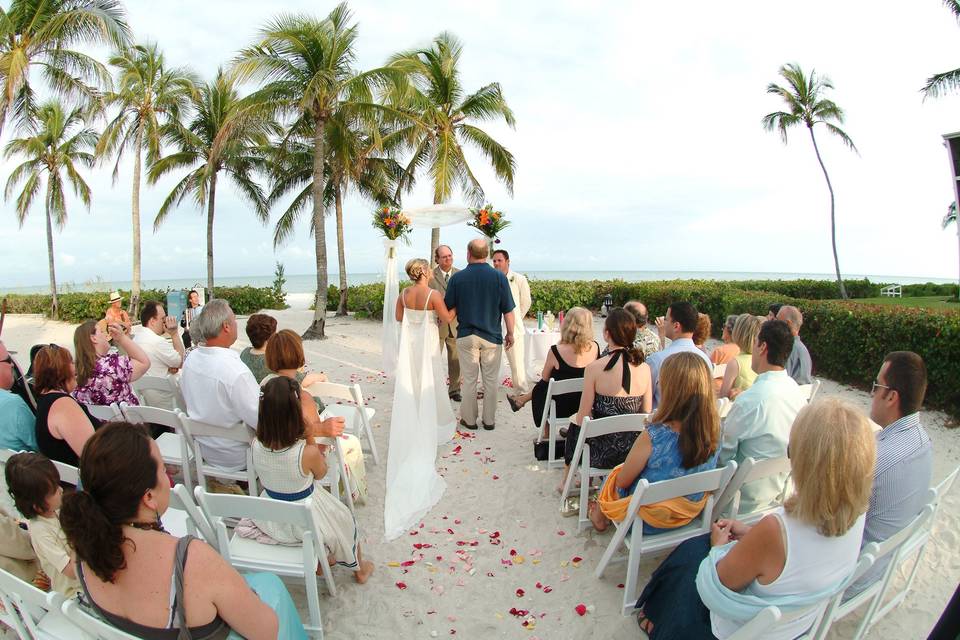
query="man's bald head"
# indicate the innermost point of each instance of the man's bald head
(477, 250)
(639, 311)
(792, 316)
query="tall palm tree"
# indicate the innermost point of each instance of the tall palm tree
(148, 95)
(940, 84)
(57, 142)
(806, 106)
(350, 164)
(240, 156)
(444, 122)
(42, 34)
(307, 67)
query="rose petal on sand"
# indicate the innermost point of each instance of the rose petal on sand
(457, 521)
(520, 593)
(561, 533)
(513, 552)
(408, 563)
(401, 585)
(490, 574)
(496, 477)
(581, 609)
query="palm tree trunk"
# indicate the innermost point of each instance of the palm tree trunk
(213, 196)
(833, 219)
(341, 251)
(54, 300)
(316, 329)
(134, 308)
(434, 239)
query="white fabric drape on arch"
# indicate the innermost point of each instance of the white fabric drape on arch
(438, 215)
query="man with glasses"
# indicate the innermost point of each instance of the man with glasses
(17, 423)
(904, 453)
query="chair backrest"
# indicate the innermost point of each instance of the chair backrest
(614, 424)
(91, 624)
(944, 486)
(164, 384)
(704, 481)
(332, 390)
(181, 499)
(719, 370)
(152, 415)
(238, 431)
(814, 387)
(68, 473)
(22, 385)
(759, 625)
(748, 471)
(570, 385)
(894, 542)
(723, 407)
(31, 602)
(105, 412)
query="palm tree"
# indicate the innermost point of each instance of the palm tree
(350, 163)
(807, 106)
(307, 65)
(41, 34)
(943, 83)
(57, 142)
(443, 123)
(947, 219)
(213, 107)
(148, 95)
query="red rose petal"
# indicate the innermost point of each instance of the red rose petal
(401, 585)
(620, 586)
(513, 552)
(577, 559)
(520, 593)
(496, 477)
(547, 589)
(581, 609)
(539, 585)
(450, 531)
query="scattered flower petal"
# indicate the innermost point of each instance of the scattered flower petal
(581, 609)
(401, 585)
(520, 593)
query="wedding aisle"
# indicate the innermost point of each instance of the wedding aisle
(495, 558)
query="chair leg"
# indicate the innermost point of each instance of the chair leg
(612, 547)
(373, 446)
(631, 590)
(310, 581)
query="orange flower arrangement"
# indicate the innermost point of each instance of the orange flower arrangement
(488, 221)
(392, 223)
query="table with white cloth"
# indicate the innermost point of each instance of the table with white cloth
(536, 345)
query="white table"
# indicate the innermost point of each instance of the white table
(536, 347)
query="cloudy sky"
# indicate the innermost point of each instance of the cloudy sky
(638, 141)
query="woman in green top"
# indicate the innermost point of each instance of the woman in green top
(740, 375)
(260, 327)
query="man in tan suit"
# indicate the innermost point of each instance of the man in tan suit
(520, 290)
(448, 331)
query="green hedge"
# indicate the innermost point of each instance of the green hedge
(77, 307)
(928, 289)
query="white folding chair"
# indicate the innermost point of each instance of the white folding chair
(68, 473)
(193, 430)
(723, 407)
(20, 375)
(356, 417)
(174, 448)
(299, 561)
(719, 370)
(550, 417)
(105, 412)
(580, 463)
(92, 625)
(166, 385)
(337, 470)
(810, 390)
(759, 625)
(34, 614)
(727, 504)
(897, 548)
(630, 531)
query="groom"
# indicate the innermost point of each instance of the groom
(448, 330)
(480, 295)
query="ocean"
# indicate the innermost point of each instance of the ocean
(306, 283)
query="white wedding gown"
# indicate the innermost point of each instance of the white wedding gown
(422, 418)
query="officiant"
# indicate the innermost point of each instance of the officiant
(520, 289)
(481, 297)
(442, 273)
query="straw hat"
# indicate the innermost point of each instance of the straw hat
(115, 296)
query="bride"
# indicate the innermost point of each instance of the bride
(422, 416)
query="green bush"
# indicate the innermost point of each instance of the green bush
(363, 300)
(928, 289)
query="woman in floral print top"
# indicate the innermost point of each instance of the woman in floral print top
(104, 376)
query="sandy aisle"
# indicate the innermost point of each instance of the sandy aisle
(494, 486)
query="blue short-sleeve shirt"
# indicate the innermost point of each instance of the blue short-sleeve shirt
(481, 295)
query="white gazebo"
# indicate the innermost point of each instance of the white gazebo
(438, 215)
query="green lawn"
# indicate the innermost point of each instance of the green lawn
(931, 302)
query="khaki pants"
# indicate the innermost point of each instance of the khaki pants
(453, 363)
(16, 552)
(518, 370)
(480, 359)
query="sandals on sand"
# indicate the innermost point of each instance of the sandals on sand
(571, 506)
(513, 404)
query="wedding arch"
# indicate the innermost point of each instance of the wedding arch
(438, 215)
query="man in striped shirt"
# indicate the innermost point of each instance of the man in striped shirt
(904, 454)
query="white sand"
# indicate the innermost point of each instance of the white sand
(495, 485)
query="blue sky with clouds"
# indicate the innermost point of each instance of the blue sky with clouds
(638, 141)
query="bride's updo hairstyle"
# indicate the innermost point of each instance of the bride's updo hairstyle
(417, 268)
(116, 470)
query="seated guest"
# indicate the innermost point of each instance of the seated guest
(702, 333)
(740, 374)
(773, 310)
(17, 422)
(711, 585)
(217, 387)
(683, 438)
(799, 365)
(166, 354)
(34, 483)
(260, 327)
(729, 350)
(116, 315)
(566, 360)
(904, 468)
(63, 424)
(127, 562)
(104, 376)
(678, 325)
(614, 385)
(285, 356)
(758, 425)
(647, 339)
(288, 461)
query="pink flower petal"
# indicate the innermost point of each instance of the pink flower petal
(581, 609)
(401, 585)
(520, 593)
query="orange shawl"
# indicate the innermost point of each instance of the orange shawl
(668, 514)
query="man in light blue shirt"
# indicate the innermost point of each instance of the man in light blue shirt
(758, 426)
(679, 325)
(17, 423)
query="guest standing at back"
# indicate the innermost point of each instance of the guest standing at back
(480, 295)
(448, 330)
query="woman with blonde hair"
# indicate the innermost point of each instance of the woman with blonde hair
(739, 375)
(793, 558)
(422, 415)
(683, 438)
(566, 360)
(104, 376)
